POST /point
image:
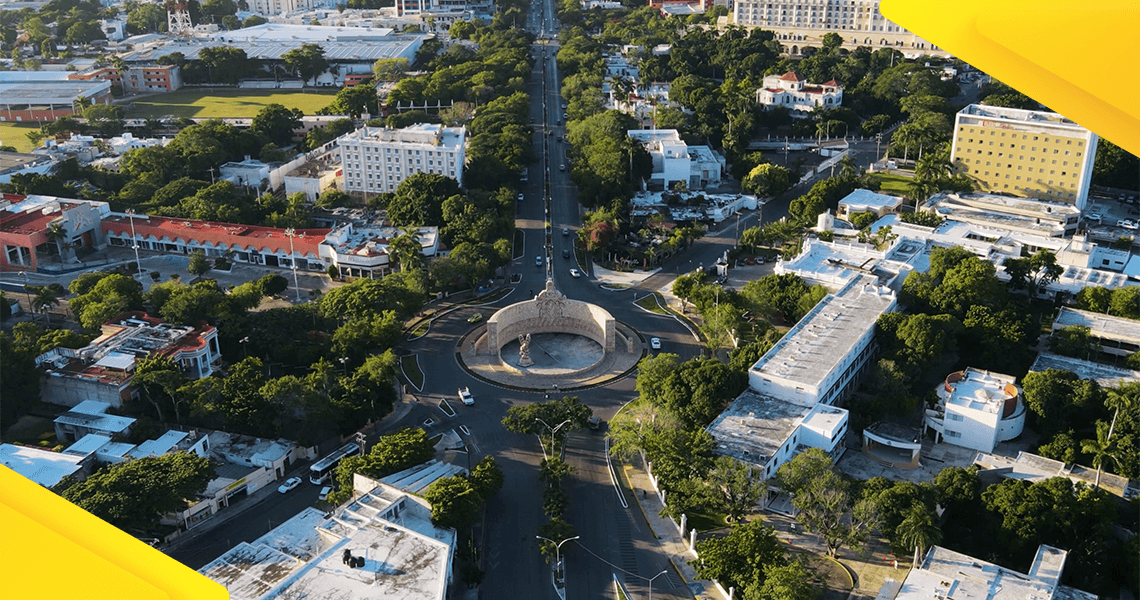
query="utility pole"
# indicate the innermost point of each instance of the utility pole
(290, 233)
(134, 241)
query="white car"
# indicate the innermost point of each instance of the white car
(1093, 217)
(289, 484)
(466, 397)
(655, 343)
(325, 491)
(561, 167)
(520, 197)
(575, 273)
(1131, 225)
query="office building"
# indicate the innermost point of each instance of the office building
(1027, 153)
(377, 159)
(947, 574)
(1117, 336)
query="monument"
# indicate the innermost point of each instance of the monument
(524, 351)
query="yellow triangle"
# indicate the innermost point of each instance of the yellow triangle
(1055, 51)
(54, 548)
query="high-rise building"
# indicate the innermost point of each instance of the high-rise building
(800, 23)
(376, 159)
(1028, 153)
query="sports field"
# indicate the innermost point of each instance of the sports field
(223, 102)
(12, 134)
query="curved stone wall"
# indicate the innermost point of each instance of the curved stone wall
(550, 312)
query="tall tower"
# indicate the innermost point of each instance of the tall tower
(178, 18)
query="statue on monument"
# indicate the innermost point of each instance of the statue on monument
(524, 351)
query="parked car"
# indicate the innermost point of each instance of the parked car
(466, 397)
(575, 273)
(538, 261)
(655, 343)
(1131, 225)
(563, 106)
(325, 491)
(1093, 217)
(289, 484)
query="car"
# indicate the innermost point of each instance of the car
(561, 167)
(566, 116)
(655, 343)
(466, 397)
(565, 253)
(1131, 225)
(289, 484)
(558, 123)
(594, 423)
(520, 197)
(559, 138)
(1123, 223)
(564, 106)
(325, 491)
(565, 231)
(550, 132)
(475, 318)
(538, 261)
(1093, 217)
(575, 273)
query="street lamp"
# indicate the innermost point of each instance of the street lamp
(244, 349)
(291, 233)
(651, 582)
(28, 293)
(553, 430)
(557, 551)
(344, 363)
(134, 241)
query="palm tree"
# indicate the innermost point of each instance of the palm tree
(1101, 448)
(918, 530)
(405, 249)
(45, 300)
(848, 168)
(57, 234)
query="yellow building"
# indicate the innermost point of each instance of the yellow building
(1027, 153)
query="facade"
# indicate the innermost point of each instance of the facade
(44, 96)
(797, 95)
(90, 417)
(380, 546)
(377, 159)
(1117, 336)
(947, 574)
(26, 222)
(137, 79)
(247, 173)
(675, 161)
(1027, 153)
(977, 409)
(801, 23)
(103, 370)
(268, 8)
(361, 249)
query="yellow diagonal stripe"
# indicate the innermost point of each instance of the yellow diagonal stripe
(1076, 58)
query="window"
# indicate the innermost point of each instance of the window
(953, 434)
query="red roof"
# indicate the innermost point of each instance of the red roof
(790, 76)
(831, 82)
(234, 236)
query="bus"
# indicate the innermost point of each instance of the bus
(323, 468)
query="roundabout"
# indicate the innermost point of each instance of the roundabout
(550, 343)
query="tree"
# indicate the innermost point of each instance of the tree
(1074, 340)
(1100, 449)
(525, 419)
(558, 530)
(825, 503)
(1058, 399)
(1094, 298)
(487, 477)
(108, 296)
(767, 180)
(134, 495)
(225, 64)
(277, 123)
(46, 298)
(419, 200)
(918, 529)
(786, 582)
(455, 502)
(198, 265)
(737, 486)
(1034, 271)
(307, 62)
(740, 559)
(390, 69)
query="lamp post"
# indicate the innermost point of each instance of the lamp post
(651, 582)
(553, 430)
(28, 293)
(244, 349)
(134, 241)
(291, 233)
(344, 363)
(557, 551)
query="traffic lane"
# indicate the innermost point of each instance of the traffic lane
(594, 511)
(514, 568)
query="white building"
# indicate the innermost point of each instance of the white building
(246, 173)
(801, 23)
(867, 201)
(948, 574)
(380, 546)
(797, 95)
(977, 409)
(267, 8)
(43, 466)
(1031, 467)
(377, 159)
(1021, 215)
(1117, 336)
(17, 163)
(1105, 375)
(88, 417)
(361, 249)
(675, 161)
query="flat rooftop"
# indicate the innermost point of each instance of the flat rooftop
(1045, 208)
(1105, 326)
(428, 134)
(809, 352)
(1105, 375)
(14, 161)
(1040, 117)
(979, 390)
(948, 574)
(1033, 467)
(862, 198)
(90, 414)
(45, 93)
(754, 427)
(44, 467)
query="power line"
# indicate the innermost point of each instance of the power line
(610, 563)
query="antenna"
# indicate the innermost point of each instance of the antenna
(178, 18)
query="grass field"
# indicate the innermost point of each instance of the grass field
(894, 184)
(12, 134)
(225, 102)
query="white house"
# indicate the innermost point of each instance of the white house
(797, 95)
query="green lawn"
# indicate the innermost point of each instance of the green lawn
(13, 134)
(896, 185)
(226, 102)
(649, 303)
(411, 368)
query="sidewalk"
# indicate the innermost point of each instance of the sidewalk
(606, 276)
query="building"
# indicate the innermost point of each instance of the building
(1104, 375)
(103, 369)
(802, 23)
(246, 173)
(948, 574)
(1031, 467)
(377, 159)
(1117, 336)
(138, 78)
(90, 417)
(1035, 217)
(977, 409)
(821, 358)
(43, 96)
(17, 163)
(360, 249)
(794, 93)
(26, 222)
(380, 546)
(268, 8)
(675, 161)
(1027, 153)
(868, 201)
(45, 467)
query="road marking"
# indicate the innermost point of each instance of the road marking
(464, 429)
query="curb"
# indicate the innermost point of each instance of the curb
(624, 467)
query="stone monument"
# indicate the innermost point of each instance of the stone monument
(524, 351)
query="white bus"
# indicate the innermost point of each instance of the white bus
(323, 468)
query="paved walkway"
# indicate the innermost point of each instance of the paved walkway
(606, 276)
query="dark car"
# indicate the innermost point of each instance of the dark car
(565, 254)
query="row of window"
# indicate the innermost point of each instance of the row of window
(1025, 136)
(1010, 166)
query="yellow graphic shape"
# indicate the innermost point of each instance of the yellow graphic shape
(52, 548)
(1077, 58)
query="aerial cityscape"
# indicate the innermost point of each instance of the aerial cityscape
(462, 299)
